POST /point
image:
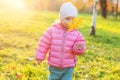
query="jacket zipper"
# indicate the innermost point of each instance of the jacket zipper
(62, 49)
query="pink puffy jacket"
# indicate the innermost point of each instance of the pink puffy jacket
(61, 45)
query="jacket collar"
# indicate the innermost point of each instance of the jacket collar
(60, 26)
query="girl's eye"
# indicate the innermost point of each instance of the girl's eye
(67, 18)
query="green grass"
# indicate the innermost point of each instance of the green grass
(19, 38)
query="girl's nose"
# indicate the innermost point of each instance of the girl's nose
(70, 20)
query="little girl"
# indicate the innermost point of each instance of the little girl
(63, 45)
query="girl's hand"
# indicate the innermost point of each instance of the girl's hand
(79, 46)
(39, 61)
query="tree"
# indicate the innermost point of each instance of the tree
(103, 4)
(116, 9)
(93, 27)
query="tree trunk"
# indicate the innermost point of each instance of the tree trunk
(103, 4)
(116, 9)
(93, 27)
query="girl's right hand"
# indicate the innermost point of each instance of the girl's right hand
(39, 61)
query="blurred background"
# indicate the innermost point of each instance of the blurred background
(105, 7)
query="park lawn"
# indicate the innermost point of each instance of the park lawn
(19, 38)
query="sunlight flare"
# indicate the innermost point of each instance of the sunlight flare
(13, 4)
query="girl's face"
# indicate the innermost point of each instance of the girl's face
(65, 21)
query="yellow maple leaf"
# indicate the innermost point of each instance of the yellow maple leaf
(75, 24)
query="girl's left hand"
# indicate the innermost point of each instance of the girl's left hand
(79, 46)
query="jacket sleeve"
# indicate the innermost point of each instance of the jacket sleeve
(44, 45)
(80, 39)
